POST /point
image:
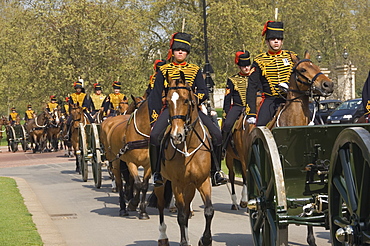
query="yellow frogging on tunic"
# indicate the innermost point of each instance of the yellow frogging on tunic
(97, 100)
(78, 98)
(30, 114)
(52, 106)
(14, 115)
(115, 99)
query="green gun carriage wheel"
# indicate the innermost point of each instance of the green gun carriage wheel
(24, 139)
(96, 161)
(266, 190)
(349, 183)
(12, 138)
(83, 152)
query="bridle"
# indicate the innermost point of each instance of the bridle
(308, 82)
(191, 103)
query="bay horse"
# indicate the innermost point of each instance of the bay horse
(187, 161)
(53, 129)
(305, 81)
(126, 140)
(36, 129)
(78, 116)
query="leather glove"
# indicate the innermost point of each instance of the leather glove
(251, 120)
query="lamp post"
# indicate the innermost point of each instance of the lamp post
(207, 69)
(348, 65)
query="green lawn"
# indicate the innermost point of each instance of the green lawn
(16, 225)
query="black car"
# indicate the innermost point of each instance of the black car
(324, 109)
(348, 112)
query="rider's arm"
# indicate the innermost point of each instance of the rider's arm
(253, 85)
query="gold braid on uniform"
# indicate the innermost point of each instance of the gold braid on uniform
(275, 70)
(115, 99)
(190, 71)
(240, 85)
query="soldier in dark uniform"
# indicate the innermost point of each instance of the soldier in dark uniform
(52, 104)
(29, 114)
(271, 72)
(235, 94)
(13, 117)
(179, 49)
(157, 64)
(111, 102)
(366, 98)
(97, 99)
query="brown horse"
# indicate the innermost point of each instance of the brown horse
(123, 106)
(306, 80)
(77, 115)
(3, 122)
(187, 161)
(53, 129)
(36, 129)
(126, 137)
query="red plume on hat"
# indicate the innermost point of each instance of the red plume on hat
(265, 28)
(169, 55)
(52, 97)
(237, 54)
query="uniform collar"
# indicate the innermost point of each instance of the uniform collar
(179, 64)
(242, 74)
(274, 53)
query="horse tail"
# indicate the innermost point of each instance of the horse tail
(238, 168)
(152, 200)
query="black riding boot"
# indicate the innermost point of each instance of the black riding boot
(225, 140)
(155, 163)
(216, 177)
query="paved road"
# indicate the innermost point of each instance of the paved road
(82, 215)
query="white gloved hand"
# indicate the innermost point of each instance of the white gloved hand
(251, 120)
(284, 86)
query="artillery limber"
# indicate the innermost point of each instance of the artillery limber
(90, 151)
(310, 175)
(17, 135)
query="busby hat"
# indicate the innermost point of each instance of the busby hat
(273, 29)
(78, 84)
(242, 58)
(179, 40)
(97, 87)
(12, 109)
(53, 98)
(29, 106)
(158, 63)
(116, 85)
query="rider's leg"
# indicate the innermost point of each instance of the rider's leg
(156, 136)
(227, 126)
(217, 179)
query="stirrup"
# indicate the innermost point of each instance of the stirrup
(157, 178)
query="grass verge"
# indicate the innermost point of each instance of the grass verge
(16, 225)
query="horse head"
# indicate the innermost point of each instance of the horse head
(309, 78)
(56, 116)
(181, 103)
(76, 112)
(123, 106)
(136, 103)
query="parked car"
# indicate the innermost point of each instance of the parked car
(325, 108)
(348, 112)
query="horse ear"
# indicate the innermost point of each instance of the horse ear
(306, 55)
(133, 98)
(294, 58)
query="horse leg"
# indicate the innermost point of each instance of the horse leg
(144, 188)
(119, 184)
(230, 166)
(183, 199)
(77, 165)
(310, 236)
(244, 199)
(205, 192)
(163, 238)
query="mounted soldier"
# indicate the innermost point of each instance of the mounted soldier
(158, 113)
(97, 100)
(14, 117)
(29, 114)
(271, 71)
(52, 104)
(112, 101)
(235, 95)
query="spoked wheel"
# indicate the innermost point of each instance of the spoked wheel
(96, 159)
(24, 142)
(266, 190)
(12, 139)
(83, 154)
(349, 182)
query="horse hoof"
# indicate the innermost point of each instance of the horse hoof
(234, 207)
(191, 215)
(163, 242)
(114, 190)
(243, 204)
(123, 213)
(144, 216)
(203, 242)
